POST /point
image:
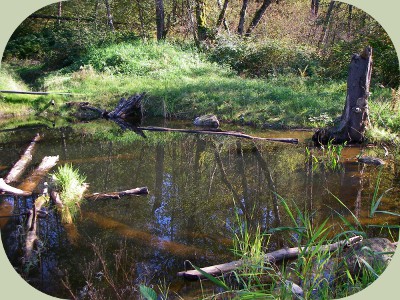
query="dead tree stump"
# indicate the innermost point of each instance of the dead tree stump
(130, 109)
(355, 116)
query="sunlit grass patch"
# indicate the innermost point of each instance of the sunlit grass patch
(71, 186)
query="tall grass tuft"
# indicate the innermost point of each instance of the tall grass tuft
(71, 185)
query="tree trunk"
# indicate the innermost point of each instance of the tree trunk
(160, 19)
(221, 17)
(109, 16)
(201, 19)
(242, 17)
(141, 19)
(326, 23)
(355, 116)
(257, 16)
(314, 7)
(59, 13)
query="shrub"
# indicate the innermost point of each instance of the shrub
(266, 58)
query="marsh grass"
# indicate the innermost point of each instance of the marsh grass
(71, 185)
(318, 271)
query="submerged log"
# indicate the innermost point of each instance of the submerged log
(272, 257)
(31, 236)
(118, 195)
(4, 187)
(355, 116)
(30, 183)
(23, 162)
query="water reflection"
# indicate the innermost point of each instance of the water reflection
(197, 186)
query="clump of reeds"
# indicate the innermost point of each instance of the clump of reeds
(71, 185)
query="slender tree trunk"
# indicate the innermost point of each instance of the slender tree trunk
(242, 17)
(201, 20)
(109, 16)
(350, 17)
(141, 19)
(314, 7)
(221, 17)
(258, 16)
(160, 18)
(327, 20)
(59, 13)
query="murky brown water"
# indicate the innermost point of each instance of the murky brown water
(197, 185)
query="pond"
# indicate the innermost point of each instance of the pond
(199, 186)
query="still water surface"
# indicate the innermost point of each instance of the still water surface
(198, 184)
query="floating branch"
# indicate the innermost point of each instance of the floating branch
(220, 132)
(118, 195)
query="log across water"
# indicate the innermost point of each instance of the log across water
(271, 257)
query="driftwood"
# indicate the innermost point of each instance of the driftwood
(23, 162)
(355, 116)
(30, 183)
(118, 195)
(220, 132)
(272, 257)
(4, 187)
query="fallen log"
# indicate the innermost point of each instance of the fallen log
(31, 236)
(4, 187)
(23, 162)
(118, 195)
(272, 257)
(30, 183)
(224, 133)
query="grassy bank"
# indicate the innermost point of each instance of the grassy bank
(181, 82)
(13, 104)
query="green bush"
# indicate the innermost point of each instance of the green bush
(263, 59)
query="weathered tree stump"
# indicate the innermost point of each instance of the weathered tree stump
(130, 109)
(355, 116)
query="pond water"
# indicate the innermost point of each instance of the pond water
(198, 186)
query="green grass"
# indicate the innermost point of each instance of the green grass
(71, 185)
(181, 82)
(321, 274)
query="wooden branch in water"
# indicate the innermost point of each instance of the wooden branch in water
(118, 195)
(30, 183)
(23, 162)
(225, 133)
(271, 257)
(4, 187)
